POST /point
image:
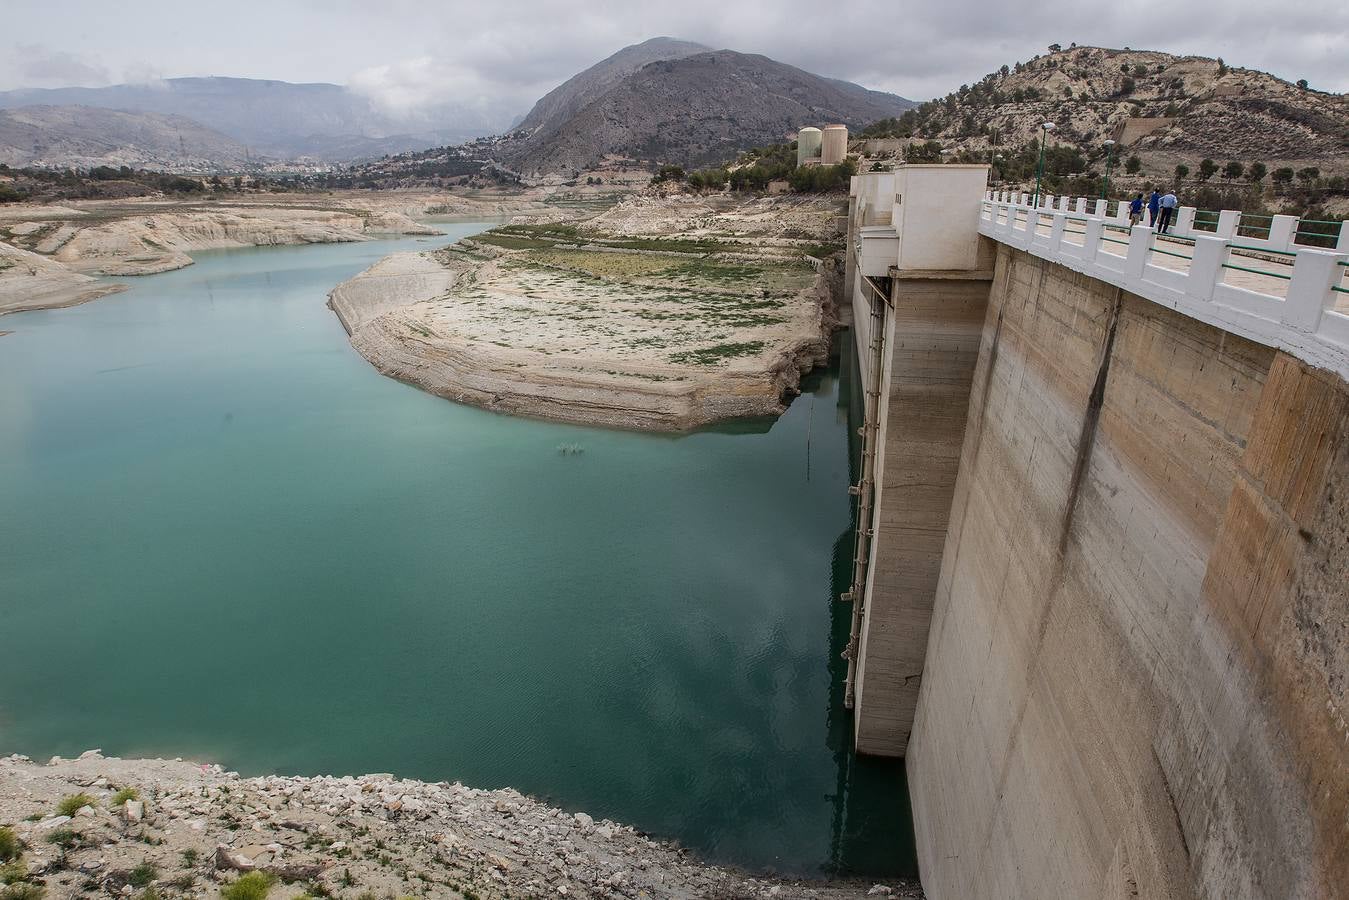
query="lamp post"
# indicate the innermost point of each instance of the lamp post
(1109, 153)
(1040, 168)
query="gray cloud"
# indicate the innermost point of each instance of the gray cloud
(502, 55)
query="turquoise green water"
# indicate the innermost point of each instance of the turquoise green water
(223, 536)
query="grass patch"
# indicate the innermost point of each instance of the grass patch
(143, 874)
(252, 886)
(11, 847)
(125, 794)
(511, 242)
(63, 838)
(73, 804)
(708, 356)
(13, 872)
(22, 891)
(190, 857)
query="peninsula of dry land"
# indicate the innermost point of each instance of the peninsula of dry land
(662, 313)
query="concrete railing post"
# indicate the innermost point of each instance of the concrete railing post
(1343, 243)
(1281, 231)
(1098, 209)
(1309, 294)
(1091, 240)
(1206, 268)
(1140, 242)
(1122, 211)
(1184, 221)
(1063, 203)
(1228, 220)
(1056, 233)
(1081, 205)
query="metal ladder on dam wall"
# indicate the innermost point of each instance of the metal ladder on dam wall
(865, 489)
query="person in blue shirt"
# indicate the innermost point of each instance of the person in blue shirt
(1168, 203)
(1136, 210)
(1154, 205)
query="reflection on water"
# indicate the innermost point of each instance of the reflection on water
(245, 545)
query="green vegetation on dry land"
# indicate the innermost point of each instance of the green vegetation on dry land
(708, 356)
(253, 886)
(74, 803)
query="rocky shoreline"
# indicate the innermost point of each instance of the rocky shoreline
(169, 828)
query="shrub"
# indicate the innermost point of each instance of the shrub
(73, 804)
(1133, 164)
(10, 845)
(190, 857)
(13, 872)
(125, 794)
(22, 891)
(1207, 169)
(1182, 170)
(1257, 171)
(1233, 170)
(143, 874)
(253, 886)
(63, 838)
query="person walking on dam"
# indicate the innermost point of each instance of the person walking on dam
(1168, 205)
(1136, 210)
(1154, 204)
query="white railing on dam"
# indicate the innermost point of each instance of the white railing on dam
(1274, 290)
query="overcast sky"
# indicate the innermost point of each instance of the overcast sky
(504, 53)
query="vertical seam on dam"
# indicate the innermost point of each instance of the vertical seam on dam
(1086, 440)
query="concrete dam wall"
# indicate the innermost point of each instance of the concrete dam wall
(1135, 551)
(1134, 684)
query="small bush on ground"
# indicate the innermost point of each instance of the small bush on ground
(253, 886)
(10, 845)
(125, 794)
(143, 874)
(73, 804)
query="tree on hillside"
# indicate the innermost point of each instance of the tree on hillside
(1233, 170)
(1182, 171)
(1308, 175)
(926, 152)
(1302, 83)
(1126, 86)
(1257, 171)
(1207, 169)
(1055, 48)
(1133, 164)
(1282, 176)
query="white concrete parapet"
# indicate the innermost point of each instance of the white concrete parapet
(1303, 321)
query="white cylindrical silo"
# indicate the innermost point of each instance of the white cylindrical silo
(834, 146)
(807, 144)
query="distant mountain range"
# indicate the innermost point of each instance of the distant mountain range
(85, 137)
(661, 100)
(679, 102)
(278, 119)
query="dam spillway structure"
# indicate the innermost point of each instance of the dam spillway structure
(808, 142)
(833, 145)
(1101, 540)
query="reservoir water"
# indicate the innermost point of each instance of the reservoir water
(224, 536)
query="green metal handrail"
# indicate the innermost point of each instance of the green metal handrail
(1261, 249)
(1169, 253)
(1113, 240)
(1256, 271)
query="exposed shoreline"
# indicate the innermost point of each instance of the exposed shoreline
(49, 254)
(199, 826)
(580, 331)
